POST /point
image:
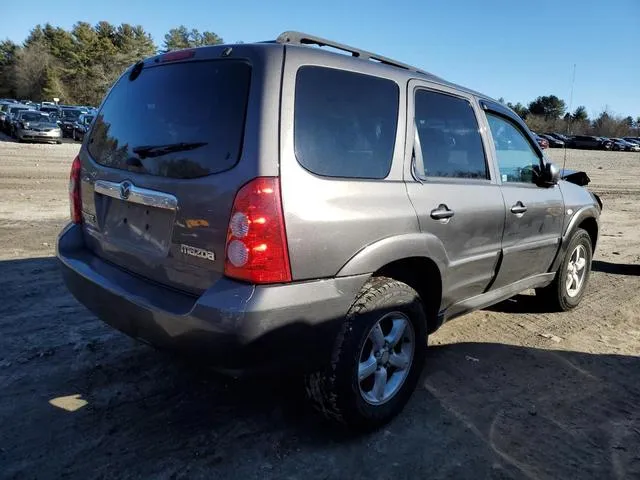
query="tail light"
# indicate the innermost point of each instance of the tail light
(75, 200)
(256, 249)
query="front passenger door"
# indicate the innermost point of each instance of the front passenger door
(534, 218)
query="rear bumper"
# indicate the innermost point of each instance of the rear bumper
(232, 326)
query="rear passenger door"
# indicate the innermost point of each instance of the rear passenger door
(534, 213)
(453, 188)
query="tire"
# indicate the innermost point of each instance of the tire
(58, 142)
(74, 136)
(558, 296)
(337, 392)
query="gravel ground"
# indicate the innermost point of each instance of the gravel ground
(508, 392)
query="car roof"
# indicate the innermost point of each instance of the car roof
(321, 55)
(312, 49)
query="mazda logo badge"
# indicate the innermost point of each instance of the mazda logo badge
(125, 190)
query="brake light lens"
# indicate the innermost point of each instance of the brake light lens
(256, 249)
(75, 200)
(177, 55)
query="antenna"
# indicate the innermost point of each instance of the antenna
(573, 81)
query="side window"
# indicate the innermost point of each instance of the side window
(517, 158)
(345, 123)
(449, 137)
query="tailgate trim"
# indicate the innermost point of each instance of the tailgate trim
(130, 193)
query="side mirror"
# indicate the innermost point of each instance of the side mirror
(550, 174)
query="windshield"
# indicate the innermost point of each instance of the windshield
(180, 120)
(17, 109)
(34, 117)
(71, 114)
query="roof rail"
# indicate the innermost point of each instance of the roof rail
(300, 38)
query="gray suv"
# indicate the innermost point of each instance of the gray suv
(278, 205)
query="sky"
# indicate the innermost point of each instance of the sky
(513, 49)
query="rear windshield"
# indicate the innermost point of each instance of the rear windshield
(179, 120)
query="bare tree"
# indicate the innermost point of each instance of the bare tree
(31, 70)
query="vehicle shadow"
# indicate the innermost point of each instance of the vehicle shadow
(521, 303)
(615, 268)
(482, 410)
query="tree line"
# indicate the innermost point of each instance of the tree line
(79, 65)
(549, 114)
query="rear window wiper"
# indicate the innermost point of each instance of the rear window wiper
(149, 151)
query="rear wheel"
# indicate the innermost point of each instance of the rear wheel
(377, 358)
(567, 289)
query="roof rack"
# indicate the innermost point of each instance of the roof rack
(300, 38)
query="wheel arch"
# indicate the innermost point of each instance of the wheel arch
(585, 218)
(423, 275)
(590, 224)
(417, 259)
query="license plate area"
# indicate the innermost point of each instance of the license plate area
(132, 226)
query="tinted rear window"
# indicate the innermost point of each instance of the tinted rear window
(345, 123)
(180, 120)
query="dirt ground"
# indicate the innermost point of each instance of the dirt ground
(508, 392)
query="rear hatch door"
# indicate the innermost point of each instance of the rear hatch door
(158, 168)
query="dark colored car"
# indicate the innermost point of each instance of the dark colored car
(68, 118)
(553, 142)
(622, 145)
(81, 127)
(560, 136)
(589, 142)
(49, 109)
(7, 117)
(275, 205)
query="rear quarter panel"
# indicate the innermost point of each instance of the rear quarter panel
(329, 220)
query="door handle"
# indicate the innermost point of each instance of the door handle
(442, 212)
(519, 208)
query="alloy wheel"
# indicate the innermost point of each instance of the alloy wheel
(386, 358)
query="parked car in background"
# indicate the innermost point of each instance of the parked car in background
(191, 226)
(82, 126)
(49, 108)
(632, 140)
(553, 142)
(543, 142)
(622, 145)
(12, 110)
(36, 126)
(589, 142)
(18, 117)
(68, 118)
(559, 136)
